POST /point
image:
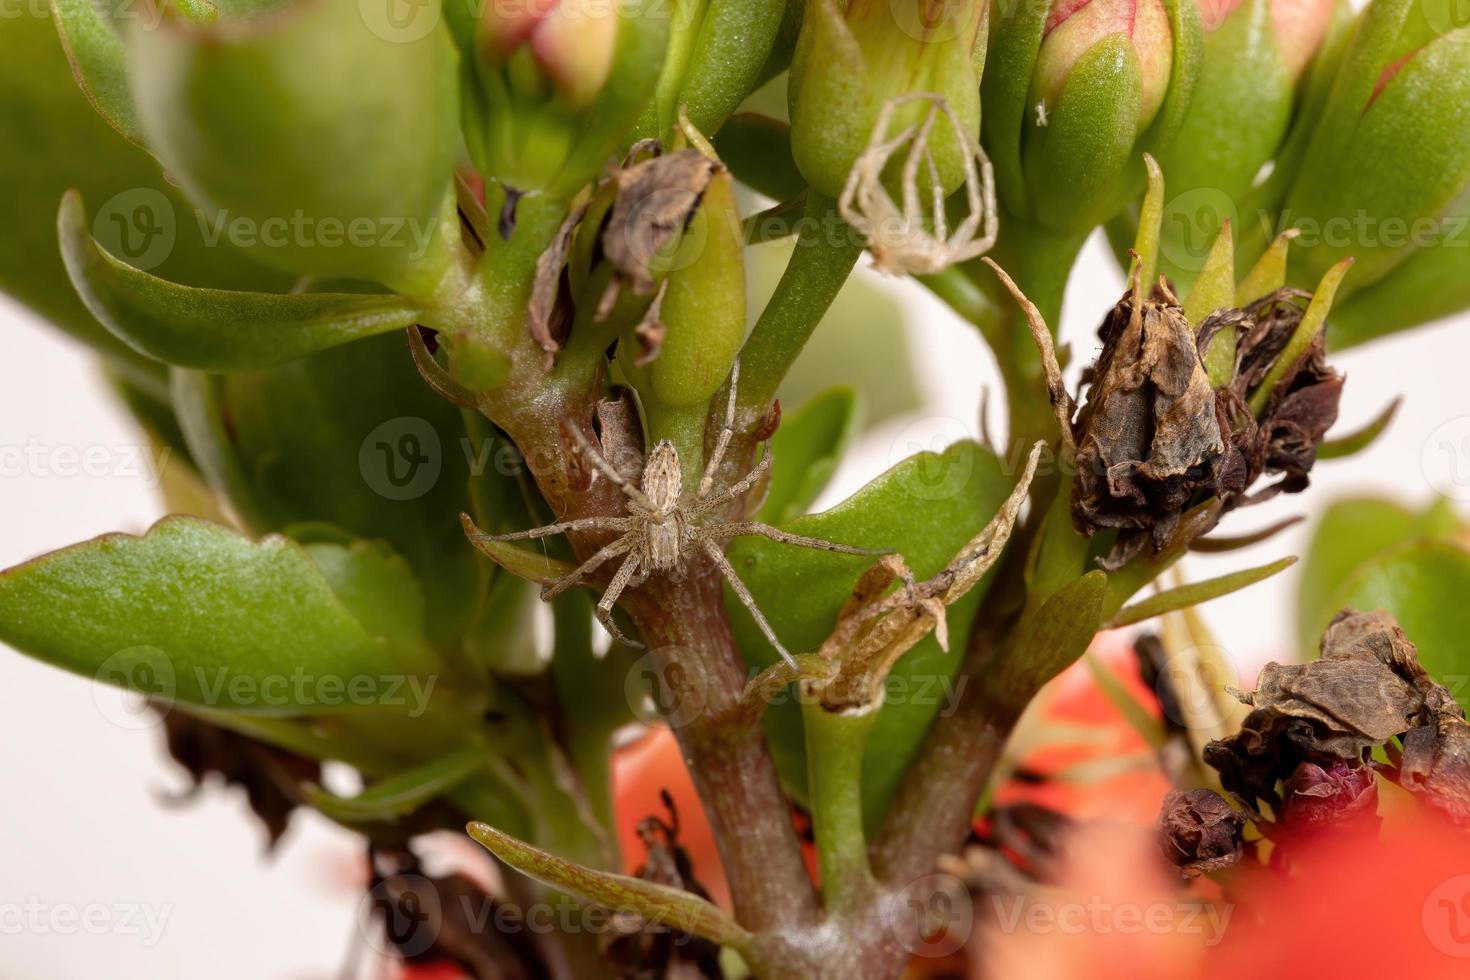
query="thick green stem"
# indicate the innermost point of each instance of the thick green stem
(693, 654)
(1040, 262)
(826, 251)
(835, 741)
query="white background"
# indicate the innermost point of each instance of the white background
(81, 818)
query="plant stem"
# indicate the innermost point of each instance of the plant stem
(1040, 262)
(693, 653)
(835, 741)
(826, 251)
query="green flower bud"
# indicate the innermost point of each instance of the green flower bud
(854, 56)
(553, 87)
(1386, 175)
(320, 142)
(1073, 92)
(1255, 53)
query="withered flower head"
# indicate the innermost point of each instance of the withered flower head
(1367, 688)
(1336, 796)
(271, 777)
(1299, 410)
(636, 948)
(1436, 766)
(1154, 438)
(1148, 433)
(1200, 831)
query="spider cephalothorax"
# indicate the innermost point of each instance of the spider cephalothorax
(664, 526)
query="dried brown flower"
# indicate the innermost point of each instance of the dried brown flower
(449, 919)
(1200, 831)
(1367, 688)
(1148, 431)
(271, 777)
(1335, 796)
(652, 951)
(1153, 438)
(1300, 410)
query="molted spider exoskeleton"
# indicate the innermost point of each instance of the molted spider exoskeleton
(905, 240)
(663, 528)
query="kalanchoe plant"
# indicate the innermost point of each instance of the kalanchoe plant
(524, 231)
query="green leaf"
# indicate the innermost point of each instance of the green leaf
(51, 139)
(1355, 442)
(214, 329)
(927, 508)
(1050, 640)
(1184, 596)
(670, 907)
(194, 612)
(860, 339)
(99, 63)
(399, 795)
(1350, 533)
(353, 437)
(807, 448)
(1424, 585)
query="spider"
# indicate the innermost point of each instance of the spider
(662, 527)
(899, 238)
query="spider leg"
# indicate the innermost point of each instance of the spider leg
(615, 588)
(728, 570)
(561, 527)
(726, 432)
(606, 469)
(742, 528)
(610, 551)
(735, 489)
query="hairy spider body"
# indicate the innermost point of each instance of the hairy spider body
(663, 527)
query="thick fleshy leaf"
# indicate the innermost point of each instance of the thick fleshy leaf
(99, 63)
(1185, 596)
(1424, 585)
(861, 339)
(194, 612)
(352, 437)
(1350, 534)
(338, 162)
(927, 508)
(809, 445)
(214, 329)
(51, 139)
(668, 907)
(399, 795)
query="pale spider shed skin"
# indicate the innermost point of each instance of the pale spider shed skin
(662, 527)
